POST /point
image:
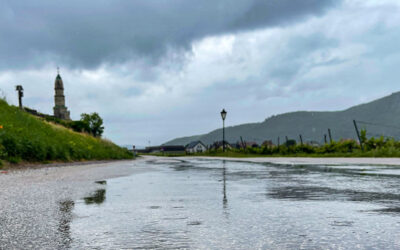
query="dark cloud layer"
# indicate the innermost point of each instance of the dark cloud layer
(88, 33)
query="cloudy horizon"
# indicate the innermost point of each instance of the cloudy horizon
(157, 70)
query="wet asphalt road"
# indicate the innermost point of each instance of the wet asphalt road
(36, 206)
(158, 203)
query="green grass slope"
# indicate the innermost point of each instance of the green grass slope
(26, 137)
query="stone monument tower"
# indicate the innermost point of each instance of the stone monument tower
(60, 110)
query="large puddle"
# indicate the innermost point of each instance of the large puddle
(212, 204)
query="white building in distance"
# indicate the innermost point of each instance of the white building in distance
(196, 147)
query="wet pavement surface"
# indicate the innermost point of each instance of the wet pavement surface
(36, 206)
(159, 203)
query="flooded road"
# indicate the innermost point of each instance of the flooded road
(206, 204)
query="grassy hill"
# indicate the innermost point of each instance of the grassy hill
(29, 138)
(382, 117)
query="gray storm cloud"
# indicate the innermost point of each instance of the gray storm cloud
(89, 33)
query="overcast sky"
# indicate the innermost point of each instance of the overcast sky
(160, 69)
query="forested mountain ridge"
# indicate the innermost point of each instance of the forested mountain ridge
(378, 117)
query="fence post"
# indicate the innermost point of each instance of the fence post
(358, 135)
(330, 135)
(241, 140)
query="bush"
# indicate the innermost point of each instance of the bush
(3, 153)
(308, 149)
(290, 143)
(10, 145)
(14, 160)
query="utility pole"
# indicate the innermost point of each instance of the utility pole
(301, 140)
(325, 139)
(286, 140)
(20, 95)
(330, 135)
(358, 135)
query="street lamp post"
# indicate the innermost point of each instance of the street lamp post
(20, 95)
(223, 115)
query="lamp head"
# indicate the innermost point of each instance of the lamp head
(19, 88)
(223, 114)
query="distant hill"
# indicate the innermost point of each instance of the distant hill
(379, 117)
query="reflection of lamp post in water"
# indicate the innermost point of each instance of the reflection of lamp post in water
(224, 199)
(64, 225)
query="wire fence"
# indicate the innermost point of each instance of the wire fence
(375, 129)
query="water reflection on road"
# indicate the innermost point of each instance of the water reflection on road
(224, 199)
(97, 197)
(215, 204)
(64, 227)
